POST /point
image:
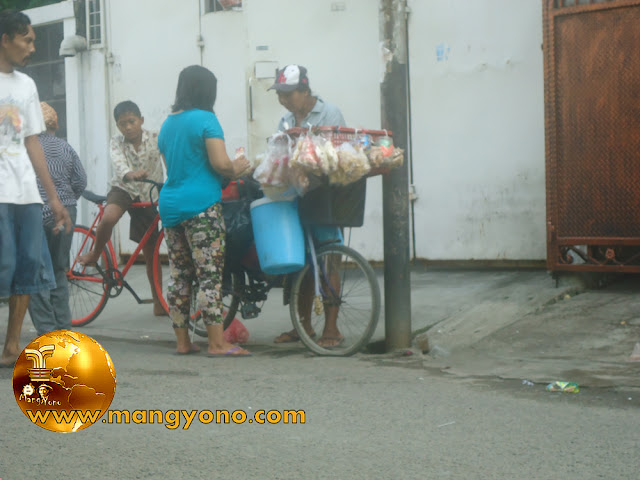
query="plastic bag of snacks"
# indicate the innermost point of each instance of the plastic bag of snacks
(299, 179)
(326, 146)
(365, 140)
(315, 154)
(353, 164)
(273, 168)
(305, 154)
(378, 160)
(384, 155)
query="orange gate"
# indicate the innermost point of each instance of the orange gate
(592, 122)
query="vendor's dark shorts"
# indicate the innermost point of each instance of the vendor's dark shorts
(141, 218)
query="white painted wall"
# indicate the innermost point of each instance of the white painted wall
(341, 52)
(477, 101)
(148, 43)
(478, 129)
(340, 49)
(86, 103)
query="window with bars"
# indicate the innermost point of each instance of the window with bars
(222, 5)
(46, 68)
(94, 22)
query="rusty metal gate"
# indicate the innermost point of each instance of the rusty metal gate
(592, 121)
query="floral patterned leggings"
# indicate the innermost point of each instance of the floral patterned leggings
(196, 255)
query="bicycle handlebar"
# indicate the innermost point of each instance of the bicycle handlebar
(155, 184)
(158, 185)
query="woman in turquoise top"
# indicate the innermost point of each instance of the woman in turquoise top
(192, 143)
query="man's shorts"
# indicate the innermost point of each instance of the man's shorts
(25, 263)
(141, 218)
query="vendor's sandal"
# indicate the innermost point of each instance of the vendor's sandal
(290, 337)
(330, 342)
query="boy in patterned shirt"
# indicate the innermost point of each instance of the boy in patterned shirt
(135, 156)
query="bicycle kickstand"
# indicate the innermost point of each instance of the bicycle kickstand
(317, 300)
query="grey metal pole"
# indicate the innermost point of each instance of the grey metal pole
(395, 185)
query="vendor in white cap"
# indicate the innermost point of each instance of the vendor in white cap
(304, 108)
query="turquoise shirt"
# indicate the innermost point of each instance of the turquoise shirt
(192, 185)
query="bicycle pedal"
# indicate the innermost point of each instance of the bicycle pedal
(147, 300)
(250, 310)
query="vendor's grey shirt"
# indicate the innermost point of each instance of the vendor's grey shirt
(323, 114)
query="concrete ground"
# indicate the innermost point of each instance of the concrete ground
(510, 324)
(519, 325)
(459, 412)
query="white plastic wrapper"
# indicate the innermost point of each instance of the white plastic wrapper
(273, 168)
(332, 155)
(315, 154)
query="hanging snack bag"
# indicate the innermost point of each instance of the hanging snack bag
(378, 160)
(310, 155)
(298, 179)
(383, 154)
(272, 170)
(352, 164)
(328, 155)
(365, 142)
(386, 146)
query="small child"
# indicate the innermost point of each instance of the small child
(135, 156)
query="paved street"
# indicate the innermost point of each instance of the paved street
(461, 412)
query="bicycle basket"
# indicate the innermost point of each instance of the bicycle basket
(336, 204)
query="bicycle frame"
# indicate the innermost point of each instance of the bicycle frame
(109, 246)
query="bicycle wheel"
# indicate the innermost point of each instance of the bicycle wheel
(87, 293)
(230, 294)
(349, 293)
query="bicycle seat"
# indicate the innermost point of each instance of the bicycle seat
(94, 197)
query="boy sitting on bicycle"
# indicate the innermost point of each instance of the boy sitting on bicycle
(135, 156)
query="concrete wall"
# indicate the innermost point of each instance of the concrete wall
(476, 100)
(339, 47)
(478, 129)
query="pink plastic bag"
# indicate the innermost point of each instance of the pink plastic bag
(236, 332)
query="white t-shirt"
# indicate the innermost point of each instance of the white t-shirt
(20, 117)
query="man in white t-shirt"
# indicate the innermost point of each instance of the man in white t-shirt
(21, 159)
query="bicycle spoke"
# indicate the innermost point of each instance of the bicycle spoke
(350, 291)
(87, 295)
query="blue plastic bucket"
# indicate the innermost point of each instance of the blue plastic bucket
(278, 235)
(323, 234)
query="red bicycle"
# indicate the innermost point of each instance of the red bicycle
(91, 286)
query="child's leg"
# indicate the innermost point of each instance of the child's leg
(112, 213)
(141, 220)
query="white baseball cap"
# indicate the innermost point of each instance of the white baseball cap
(290, 78)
